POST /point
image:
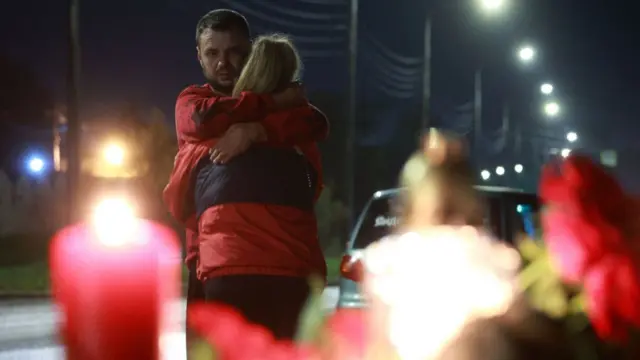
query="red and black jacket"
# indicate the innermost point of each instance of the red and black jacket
(247, 186)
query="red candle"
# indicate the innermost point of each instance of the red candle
(113, 279)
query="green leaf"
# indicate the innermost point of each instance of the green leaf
(578, 304)
(529, 249)
(577, 323)
(312, 318)
(202, 350)
(534, 272)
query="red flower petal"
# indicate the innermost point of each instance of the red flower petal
(350, 326)
(254, 343)
(220, 325)
(285, 350)
(599, 287)
(613, 293)
(574, 244)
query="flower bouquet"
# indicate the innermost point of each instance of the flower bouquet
(585, 270)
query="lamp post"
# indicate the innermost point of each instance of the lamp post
(73, 122)
(350, 138)
(489, 6)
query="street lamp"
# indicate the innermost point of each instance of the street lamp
(492, 5)
(526, 54)
(36, 165)
(572, 137)
(551, 109)
(565, 152)
(499, 171)
(546, 88)
(518, 168)
(487, 6)
(114, 154)
(485, 174)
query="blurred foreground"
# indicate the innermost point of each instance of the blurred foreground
(28, 328)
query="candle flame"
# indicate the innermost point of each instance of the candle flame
(114, 222)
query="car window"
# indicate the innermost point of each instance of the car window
(507, 214)
(379, 221)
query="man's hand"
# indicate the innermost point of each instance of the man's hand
(290, 97)
(235, 141)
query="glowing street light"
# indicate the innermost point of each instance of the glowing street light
(114, 154)
(565, 153)
(546, 88)
(36, 165)
(551, 109)
(499, 171)
(485, 174)
(518, 168)
(492, 5)
(572, 137)
(526, 54)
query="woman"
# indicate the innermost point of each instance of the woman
(258, 256)
(273, 65)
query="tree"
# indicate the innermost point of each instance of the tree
(331, 215)
(160, 148)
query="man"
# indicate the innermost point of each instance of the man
(206, 112)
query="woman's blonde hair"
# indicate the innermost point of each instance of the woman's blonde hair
(273, 64)
(440, 175)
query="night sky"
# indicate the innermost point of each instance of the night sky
(144, 52)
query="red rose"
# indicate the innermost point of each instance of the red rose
(221, 326)
(613, 296)
(587, 232)
(348, 327)
(576, 243)
(579, 184)
(234, 338)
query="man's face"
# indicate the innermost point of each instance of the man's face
(221, 55)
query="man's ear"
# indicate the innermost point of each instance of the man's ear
(199, 56)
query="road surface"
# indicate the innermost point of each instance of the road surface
(27, 329)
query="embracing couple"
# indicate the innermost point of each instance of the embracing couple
(247, 175)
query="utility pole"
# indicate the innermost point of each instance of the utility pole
(477, 112)
(73, 121)
(350, 144)
(506, 120)
(426, 75)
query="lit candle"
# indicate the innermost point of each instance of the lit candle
(113, 279)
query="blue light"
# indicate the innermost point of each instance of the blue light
(519, 209)
(36, 165)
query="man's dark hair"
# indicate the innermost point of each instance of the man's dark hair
(223, 20)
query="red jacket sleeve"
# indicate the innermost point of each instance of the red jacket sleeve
(202, 114)
(301, 125)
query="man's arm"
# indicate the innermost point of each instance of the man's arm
(200, 115)
(289, 128)
(297, 126)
